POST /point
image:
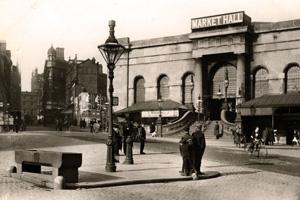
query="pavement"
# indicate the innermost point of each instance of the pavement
(152, 167)
(235, 182)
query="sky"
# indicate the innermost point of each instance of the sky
(30, 27)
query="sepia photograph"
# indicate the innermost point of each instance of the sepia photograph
(142, 100)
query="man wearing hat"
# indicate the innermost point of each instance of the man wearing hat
(199, 145)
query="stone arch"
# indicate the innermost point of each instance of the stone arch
(292, 78)
(217, 77)
(139, 89)
(187, 87)
(163, 87)
(260, 81)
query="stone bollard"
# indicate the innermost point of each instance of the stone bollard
(58, 183)
(10, 170)
(129, 157)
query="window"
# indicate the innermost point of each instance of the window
(218, 81)
(188, 87)
(292, 79)
(139, 90)
(261, 82)
(163, 87)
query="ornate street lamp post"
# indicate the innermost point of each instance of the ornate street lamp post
(111, 51)
(159, 120)
(199, 103)
(226, 84)
(238, 107)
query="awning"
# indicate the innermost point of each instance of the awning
(265, 104)
(152, 105)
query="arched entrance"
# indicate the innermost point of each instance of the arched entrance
(219, 73)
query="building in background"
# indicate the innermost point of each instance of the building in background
(15, 91)
(54, 85)
(85, 81)
(69, 86)
(5, 68)
(37, 86)
(10, 87)
(29, 107)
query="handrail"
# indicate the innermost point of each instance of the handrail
(179, 124)
(227, 126)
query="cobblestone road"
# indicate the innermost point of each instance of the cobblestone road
(233, 185)
(236, 183)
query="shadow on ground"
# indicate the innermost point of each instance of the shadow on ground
(85, 176)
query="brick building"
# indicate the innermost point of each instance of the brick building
(29, 106)
(63, 83)
(54, 85)
(84, 76)
(10, 84)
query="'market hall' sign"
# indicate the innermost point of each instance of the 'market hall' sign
(219, 20)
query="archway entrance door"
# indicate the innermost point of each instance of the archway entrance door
(218, 93)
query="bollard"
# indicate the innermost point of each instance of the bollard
(58, 183)
(129, 157)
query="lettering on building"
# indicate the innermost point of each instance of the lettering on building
(217, 20)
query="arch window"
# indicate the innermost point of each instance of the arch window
(218, 82)
(261, 82)
(188, 88)
(139, 90)
(163, 87)
(292, 79)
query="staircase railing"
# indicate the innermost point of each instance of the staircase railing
(179, 125)
(227, 126)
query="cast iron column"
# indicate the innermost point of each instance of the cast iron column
(110, 160)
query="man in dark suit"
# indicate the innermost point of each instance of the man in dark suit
(199, 145)
(142, 137)
(186, 152)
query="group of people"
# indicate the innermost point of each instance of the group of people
(128, 133)
(61, 123)
(192, 148)
(19, 124)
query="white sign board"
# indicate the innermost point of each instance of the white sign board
(217, 20)
(164, 113)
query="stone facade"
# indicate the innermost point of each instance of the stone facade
(54, 86)
(29, 102)
(10, 84)
(241, 48)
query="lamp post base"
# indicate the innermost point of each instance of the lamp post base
(110, 162)
(110, 168)
(129, 157)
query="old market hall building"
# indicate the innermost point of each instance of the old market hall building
(257, 58)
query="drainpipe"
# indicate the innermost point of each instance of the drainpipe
(127, 81)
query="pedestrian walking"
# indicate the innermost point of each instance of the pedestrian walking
(276, 135)
(185, 147)
(17, 124)
(56, 124)
(142, 137)
(92, 125)
(216, 130)
(152, 129)
(265, 136)
(271, 136)
(117, 143)
(127, 131)
(237, 135)
(199, 145)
